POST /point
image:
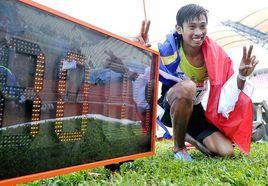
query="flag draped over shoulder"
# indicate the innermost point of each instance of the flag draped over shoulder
(238, 126)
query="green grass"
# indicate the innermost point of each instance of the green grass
(162, 169)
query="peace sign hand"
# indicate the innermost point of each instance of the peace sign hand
(248, 62)
(142, 37)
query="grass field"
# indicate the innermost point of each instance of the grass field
(162, 169)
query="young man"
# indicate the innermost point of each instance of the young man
(188, 59)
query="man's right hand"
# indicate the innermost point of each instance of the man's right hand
(142, 38)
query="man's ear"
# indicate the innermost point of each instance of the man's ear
(178, 29)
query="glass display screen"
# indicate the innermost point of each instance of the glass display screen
(69, 95)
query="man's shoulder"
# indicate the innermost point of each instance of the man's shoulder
(169, 46)
(165, 49)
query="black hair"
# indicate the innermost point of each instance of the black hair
(189, 12)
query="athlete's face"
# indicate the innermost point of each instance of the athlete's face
(194, 32)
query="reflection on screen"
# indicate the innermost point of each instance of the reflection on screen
(23, 67)
(74, 80)
(19, 76)
(18, 112)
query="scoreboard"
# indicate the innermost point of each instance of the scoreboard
(72, 96)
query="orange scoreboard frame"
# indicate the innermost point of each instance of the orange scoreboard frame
(73, 96)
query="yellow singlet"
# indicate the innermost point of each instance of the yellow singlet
(199, 73)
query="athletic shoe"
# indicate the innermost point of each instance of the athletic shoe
(182, 155)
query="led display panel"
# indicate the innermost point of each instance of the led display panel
(72, 96)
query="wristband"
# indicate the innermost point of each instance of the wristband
(243, 78)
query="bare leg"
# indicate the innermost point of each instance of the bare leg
(180, 99)
(180, 112)
(219, 144)
(198, 145)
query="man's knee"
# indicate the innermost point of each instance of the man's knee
(219, 144)
(226, 151)
(184, 91)
(189, 86)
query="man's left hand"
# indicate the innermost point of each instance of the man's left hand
(248, 62)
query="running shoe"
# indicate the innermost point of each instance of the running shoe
(182, 155)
